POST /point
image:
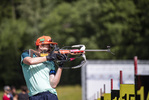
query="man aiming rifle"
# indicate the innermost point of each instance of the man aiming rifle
(39, 66)
(39, 71)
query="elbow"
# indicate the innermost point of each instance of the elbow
(30, 62)
(54, 86)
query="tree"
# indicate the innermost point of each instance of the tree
(142, 42)
(33, 12)
(96, 24)
(11, 36)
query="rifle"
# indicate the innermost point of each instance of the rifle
(79, 50)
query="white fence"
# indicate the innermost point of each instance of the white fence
(96, 74)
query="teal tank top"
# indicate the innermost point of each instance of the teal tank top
(37, 76)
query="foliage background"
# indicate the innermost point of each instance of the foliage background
(122, 24)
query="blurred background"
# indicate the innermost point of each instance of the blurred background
(121, 24)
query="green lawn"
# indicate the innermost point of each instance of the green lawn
(64, 92)
(69, 92)
(1, 94)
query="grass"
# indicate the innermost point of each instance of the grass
(69, 92)
(1, 94)
(64, 92)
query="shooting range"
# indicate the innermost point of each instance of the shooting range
(129, 78)
(102, 46)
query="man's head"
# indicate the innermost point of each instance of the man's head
(44, 44)
(24, 88)
(7, 89)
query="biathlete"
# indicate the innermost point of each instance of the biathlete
(39, 72)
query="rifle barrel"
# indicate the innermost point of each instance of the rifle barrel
(96, 50)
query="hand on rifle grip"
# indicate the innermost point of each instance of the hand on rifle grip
(62, 58)
(51, 57)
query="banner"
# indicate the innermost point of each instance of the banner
(107, 96)
(127, 92)
(142, 87)
(115, 94)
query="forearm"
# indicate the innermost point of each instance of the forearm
(54, 79)
(32, 61)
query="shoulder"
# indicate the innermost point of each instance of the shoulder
(5, 96)
(25, 54)
(20, 94)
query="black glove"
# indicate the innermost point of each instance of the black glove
(62, 58)
(51, 57)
